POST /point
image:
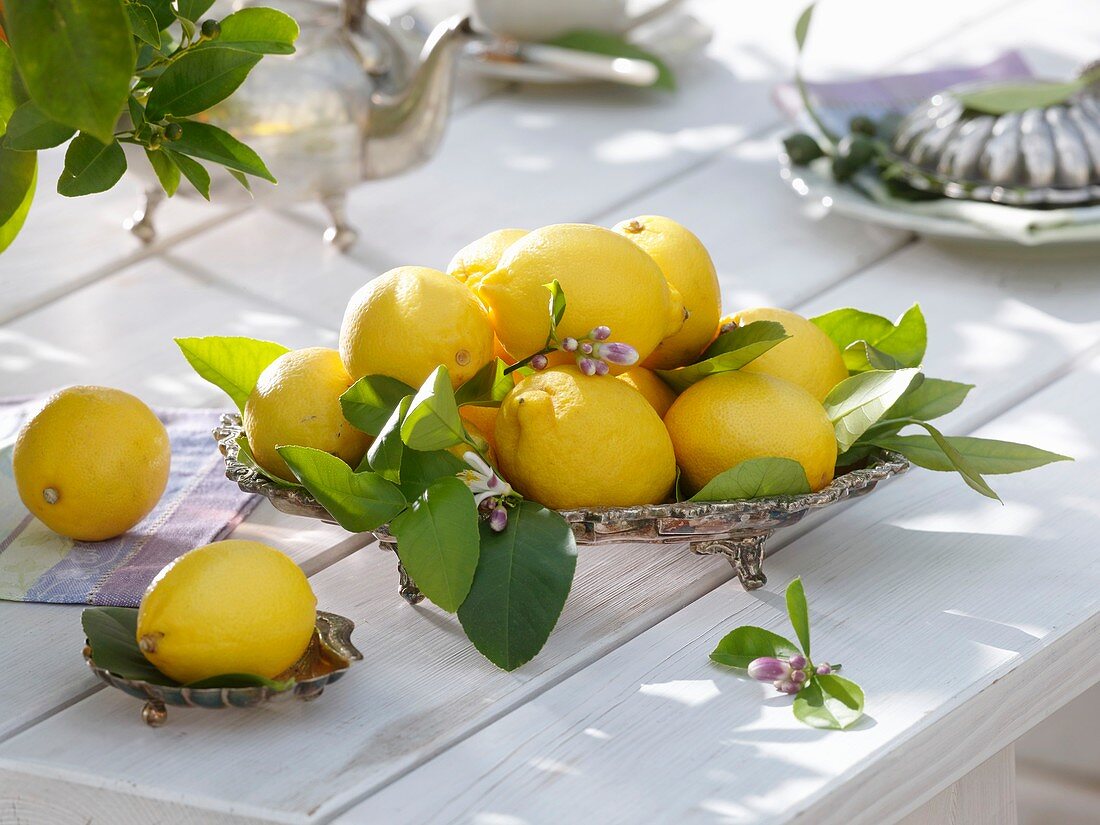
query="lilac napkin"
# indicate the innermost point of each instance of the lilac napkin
(199, 506)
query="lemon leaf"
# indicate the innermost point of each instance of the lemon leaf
(985, 455)
(437, 541)
(359, 502)
(523, 577)
(262, 30)
(370, 401)
(112, 635)
(861, 401)
(488, 387)
(930, 399)
(756, 478)
(432, 422)
(799, 613)
(232, 364)
(388, 450)
(730, 351)
(742, 645)
(829, 702)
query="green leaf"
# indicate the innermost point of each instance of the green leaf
(1017, 96)
(18, 178)
(956, 461)
(929, 399)
(908, 340)
(112, 634)
(438, 541)
(614, 45)
(557, 303)
(419, 470)
(388, 450)
(802, 26)
(245, 457)
(91, 166)
(522, 580)
(861, 356)
(259, 30)
(359, 502)
(488, 387)
(137, 112)
(231, 364)
(240, 680)
(76, 59)
(197, 81)
(164, 13)
(432, 422)
(741, 646)
(756, 478)
(829, 702)
(857, 403)
(369, 402)
(193, 9)
(848, 326)
(12, 93)
(240, 178)
(29, 130)
(985, 455)
(799, 614)
(730, 351)
(168, 173)
(201, 140)
(143, 23)
(192, 170)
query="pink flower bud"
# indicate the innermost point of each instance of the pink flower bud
(569, 344)
(587, 365)
(586, 348)
(602, 368)
(600, 333)
(622, 355)
(798, 661)
(498, 519)
(767, 669)
(798, 676)
(823, 669)
(790, 688)
(539, 362)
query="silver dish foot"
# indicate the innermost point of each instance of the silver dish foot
(154, 713)
(141, 222)
(745, 555)
(340, 233)
(408, 589)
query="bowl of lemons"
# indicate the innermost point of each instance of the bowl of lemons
(229, 624)
(572, 385)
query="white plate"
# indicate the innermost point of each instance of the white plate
(850, 202)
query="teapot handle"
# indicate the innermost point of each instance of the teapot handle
(352, 14)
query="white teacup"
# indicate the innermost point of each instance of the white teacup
(537, 20)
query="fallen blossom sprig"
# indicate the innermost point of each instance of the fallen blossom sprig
(492, 494)
(822, 699)
(594, 353)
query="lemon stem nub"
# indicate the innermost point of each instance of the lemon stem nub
(51, 495)
(148, 643)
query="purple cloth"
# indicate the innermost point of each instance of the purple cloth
(199, 506)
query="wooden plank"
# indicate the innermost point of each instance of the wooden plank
(956, 616)
(985, 796)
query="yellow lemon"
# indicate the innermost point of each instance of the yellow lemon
(227, 607)
(410, 320)
(476, 260)
(687, 266)
(808, 358)
(570, 440)
(659, 394)
(607, 281)
(92, 462)
(733, 416)
(296, 401)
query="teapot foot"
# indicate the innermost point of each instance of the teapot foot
(340, 233)
(140, 224)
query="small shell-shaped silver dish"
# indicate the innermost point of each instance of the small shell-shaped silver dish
(1046, 156)
(734, 529)
(326, 660)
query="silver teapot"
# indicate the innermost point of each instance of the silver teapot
(349, 105)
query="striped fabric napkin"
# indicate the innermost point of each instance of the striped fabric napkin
(199, 506)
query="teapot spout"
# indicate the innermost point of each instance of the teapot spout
(406, 127)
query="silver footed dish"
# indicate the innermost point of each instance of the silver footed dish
(326, 660)
(737, 530)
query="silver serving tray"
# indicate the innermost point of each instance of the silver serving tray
(1041, 157)
(327, 659)
(737, 530)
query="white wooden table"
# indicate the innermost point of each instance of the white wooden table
(966, 622)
